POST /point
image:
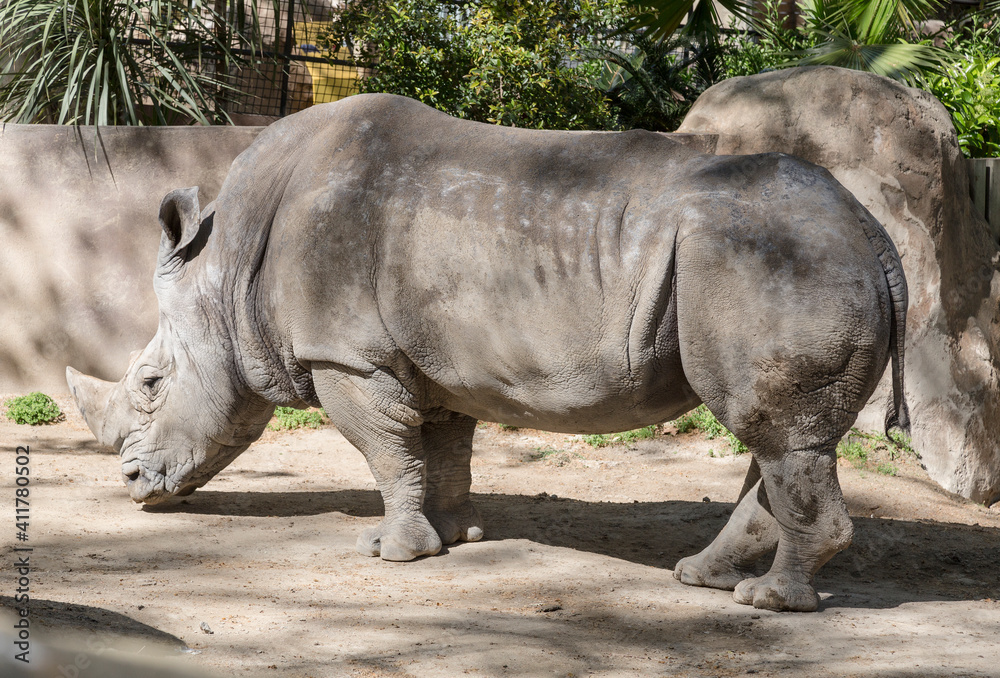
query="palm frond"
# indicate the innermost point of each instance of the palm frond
(107, 62)
(874, 36)
(900, 61)
(662, 18)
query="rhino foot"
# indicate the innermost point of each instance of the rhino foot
(399, 541)
(777, 592)
(704, 570)
(463, 524)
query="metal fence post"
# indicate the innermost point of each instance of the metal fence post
(984, 175)
(286, 51)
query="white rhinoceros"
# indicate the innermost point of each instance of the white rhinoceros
(413, 273)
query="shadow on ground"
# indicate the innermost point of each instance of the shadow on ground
(908, 561)
(58, 619)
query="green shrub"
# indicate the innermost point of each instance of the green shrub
(863, 450)
(508, 62)
(624, 438)
(702, 419)
(288, 418)
(970, 89)
(33, 409)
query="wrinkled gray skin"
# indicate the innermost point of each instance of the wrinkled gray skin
(413, 273)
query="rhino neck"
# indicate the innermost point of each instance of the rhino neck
(263, 350)
(245, 214)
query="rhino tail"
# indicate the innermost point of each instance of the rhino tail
(898, 413)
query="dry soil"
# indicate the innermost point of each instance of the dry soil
(256, 574)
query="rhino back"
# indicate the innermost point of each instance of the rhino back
(526, 274)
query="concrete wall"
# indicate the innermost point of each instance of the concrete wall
(79, 236)
(78, 240)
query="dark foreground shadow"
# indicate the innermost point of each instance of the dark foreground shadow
(47, 439)
(101, 628)
(359, 503)
(891, 562)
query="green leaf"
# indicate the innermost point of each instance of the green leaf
(901, 61)
(662, 18)
(83, 71)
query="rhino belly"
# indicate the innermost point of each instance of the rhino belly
(529, 335)
(588, 401)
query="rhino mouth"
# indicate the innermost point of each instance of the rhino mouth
(154, 483)
(151, 486)
(151, 478)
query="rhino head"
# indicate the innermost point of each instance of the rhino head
(180, 414)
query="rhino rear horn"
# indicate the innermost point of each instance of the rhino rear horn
(92, 397)
(180, 219)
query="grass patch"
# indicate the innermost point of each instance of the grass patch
(506, 428)
(541, 453)
(867, 451)
(702, 419)
(886, 469)
(854, 452)
(624, 438)
(289, 418)
(551, 454)
(33, 409)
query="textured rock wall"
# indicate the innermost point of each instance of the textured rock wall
(78, 240)
(895, 148)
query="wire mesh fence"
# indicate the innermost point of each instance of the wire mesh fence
(290, 60)
(281, 56)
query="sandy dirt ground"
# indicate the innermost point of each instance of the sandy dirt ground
(256, 574)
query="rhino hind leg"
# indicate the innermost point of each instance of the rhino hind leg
(809, 508)
(796, 341)
(448, 448)
(797, 506)
(372, 413)
(751, 533)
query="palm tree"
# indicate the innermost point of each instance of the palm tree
(662, 18)
(879, 36)
(653, 83)
(106, 62)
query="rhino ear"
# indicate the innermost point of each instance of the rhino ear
(180, 219)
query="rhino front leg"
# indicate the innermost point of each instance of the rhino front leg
(375, 414)
(808, 505)
(750, 533)
(448, 447)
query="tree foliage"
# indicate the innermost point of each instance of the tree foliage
(509, 62)
(661, 19)
(879, 36)
(969, 87)
(653, 83)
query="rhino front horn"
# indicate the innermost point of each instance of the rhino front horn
(92, 397)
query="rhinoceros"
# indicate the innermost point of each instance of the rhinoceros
(414, 273)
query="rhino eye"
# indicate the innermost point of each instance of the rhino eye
(150, 384)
